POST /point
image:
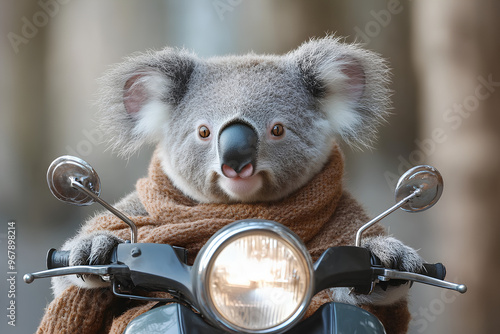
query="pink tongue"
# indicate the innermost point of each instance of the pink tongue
(246, 172)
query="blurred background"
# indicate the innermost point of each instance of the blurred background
(444, 56)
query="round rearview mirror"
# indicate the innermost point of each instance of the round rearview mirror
(66, 168)
(428, 180)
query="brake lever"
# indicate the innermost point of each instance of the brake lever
(106, 270)
(386, 274)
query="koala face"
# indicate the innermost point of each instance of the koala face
(254, 92)
(245, 128)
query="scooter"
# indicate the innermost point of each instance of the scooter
(252, 276)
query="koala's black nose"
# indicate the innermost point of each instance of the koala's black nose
(238, 144)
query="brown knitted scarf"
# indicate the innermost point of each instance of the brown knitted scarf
(177, 220)
(319, 213)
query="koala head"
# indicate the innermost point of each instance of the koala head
(245, 128)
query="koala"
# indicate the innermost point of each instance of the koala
(244, 129)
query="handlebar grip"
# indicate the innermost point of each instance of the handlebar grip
(437, 270)
(57, 259)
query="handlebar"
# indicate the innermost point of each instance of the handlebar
(432, 274)
(437, 270)
(57, 259)
(106, 270)
(60, 259)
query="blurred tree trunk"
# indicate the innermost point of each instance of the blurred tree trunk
(21, 62)
(456, 50)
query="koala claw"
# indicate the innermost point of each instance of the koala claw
(92, 249)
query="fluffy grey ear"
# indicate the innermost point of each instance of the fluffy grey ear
(137, 96)
(350, 83)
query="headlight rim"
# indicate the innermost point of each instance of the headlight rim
(205, 259)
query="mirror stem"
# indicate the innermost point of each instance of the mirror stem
(384, 214)
(133, 228)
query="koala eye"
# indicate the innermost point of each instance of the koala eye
(278, 130)
(203, 132)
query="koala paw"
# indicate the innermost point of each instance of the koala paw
(393, 254)
(92, 249)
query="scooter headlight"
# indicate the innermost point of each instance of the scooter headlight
(254, 276)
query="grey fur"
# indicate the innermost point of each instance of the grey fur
(131, 205)
(393, 254)
(320, 92)
(86, 249)
(372, 106)
(173, 67)
(308, 90)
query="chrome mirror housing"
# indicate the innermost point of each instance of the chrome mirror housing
(427, 180)
(65, 169)
(74, 181)
(418, 189)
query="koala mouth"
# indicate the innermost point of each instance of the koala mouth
(241, 188)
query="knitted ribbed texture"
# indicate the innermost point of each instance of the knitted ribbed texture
(319, 213)
(79, 311)
(176, 220)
